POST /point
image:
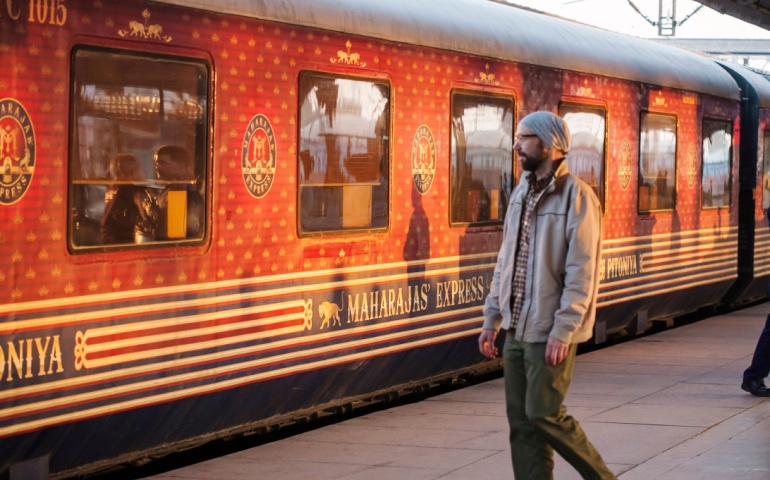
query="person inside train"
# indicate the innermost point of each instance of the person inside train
(543, 294)
(125, 203)
(177, 211)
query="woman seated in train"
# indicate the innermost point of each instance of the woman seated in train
(126, 202)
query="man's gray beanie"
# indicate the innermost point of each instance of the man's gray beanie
(550, 128)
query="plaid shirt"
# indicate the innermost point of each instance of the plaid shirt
(536, 189)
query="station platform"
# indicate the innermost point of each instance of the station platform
(665, 406)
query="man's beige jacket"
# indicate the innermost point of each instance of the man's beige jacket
(562, 266)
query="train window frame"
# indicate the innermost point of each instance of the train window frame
(729, 130)
(386, 160)
(602, 181)
(186, 188)
(650, 210)
(765, 179)
(504, 196)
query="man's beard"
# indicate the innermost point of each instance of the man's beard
(530, 164)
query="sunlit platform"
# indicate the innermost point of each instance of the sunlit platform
(667, 406)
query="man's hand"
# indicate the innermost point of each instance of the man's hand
(487, 343)
(555, 351)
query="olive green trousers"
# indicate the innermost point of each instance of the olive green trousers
(538, 420)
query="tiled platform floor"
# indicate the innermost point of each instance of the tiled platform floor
(667, 406)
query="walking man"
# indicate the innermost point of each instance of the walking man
(543, 293)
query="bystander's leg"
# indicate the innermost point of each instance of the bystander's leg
(760, 363)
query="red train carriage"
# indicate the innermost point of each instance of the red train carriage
(224, 215)
(672, 249)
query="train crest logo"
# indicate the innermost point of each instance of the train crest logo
(624, 168)
(258, 156)
(423, 159)
(17, 151)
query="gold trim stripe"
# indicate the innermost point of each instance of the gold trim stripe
(730, 273)
(761, 250)
(721, 234)
(673, 266)
(185, 334)
(696, 242)
(115, 375)
(187, 347)
(181, 321)
(191, 319)
(658, 292)
(729, 261)
(677, 253)
(665, 273)
(762, 270)
(202, 390)
(99, 315)
(113, 297)
(219, 371)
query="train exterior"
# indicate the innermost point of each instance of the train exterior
(224, 215)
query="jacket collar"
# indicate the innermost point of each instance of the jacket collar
(561, 171)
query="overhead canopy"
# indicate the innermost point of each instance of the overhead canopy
(494, 30)
(756, 12)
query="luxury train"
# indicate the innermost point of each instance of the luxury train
(225, 215)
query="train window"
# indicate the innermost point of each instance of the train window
(344, 134)
(657, 162)
(137, 151)
(586, 154)
(482, 157)
(766, 171)
(716, 179)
